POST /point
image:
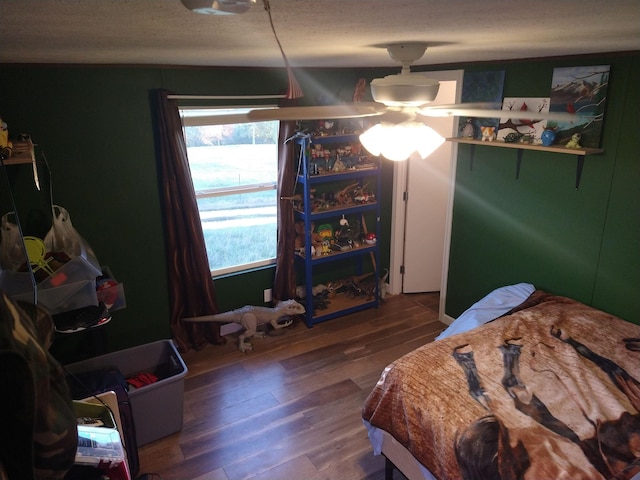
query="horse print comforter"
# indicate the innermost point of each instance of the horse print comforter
(549, 391)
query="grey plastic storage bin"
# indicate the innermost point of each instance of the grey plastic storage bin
(157, 407)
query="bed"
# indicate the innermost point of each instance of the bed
(548, 389)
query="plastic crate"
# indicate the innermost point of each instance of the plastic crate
(71, 286)
(110, 291)
(157, 407)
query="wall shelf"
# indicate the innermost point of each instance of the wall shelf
(520, 147)
(22, 153)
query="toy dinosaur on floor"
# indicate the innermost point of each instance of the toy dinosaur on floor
(251, 316)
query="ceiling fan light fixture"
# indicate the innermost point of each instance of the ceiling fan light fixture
(397, 142)
(219, 7)
(404, 90)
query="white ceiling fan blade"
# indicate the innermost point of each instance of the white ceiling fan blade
(489, 110)
(323, 112)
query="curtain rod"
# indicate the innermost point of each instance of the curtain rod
(223, 97)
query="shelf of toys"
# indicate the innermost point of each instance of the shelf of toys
(337, 225)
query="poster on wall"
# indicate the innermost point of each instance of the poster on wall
(583, 91)
(524, 130)
(480, 87)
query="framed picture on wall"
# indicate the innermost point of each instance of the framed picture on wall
(580, 90)
(530, 128)
(480, 87)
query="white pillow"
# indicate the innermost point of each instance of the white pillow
(495, 304)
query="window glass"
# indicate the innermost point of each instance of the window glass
(234, 172)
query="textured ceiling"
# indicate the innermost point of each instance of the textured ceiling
(313, 33)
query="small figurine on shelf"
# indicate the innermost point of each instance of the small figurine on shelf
(488, 133)
(326, 247)
(512, 137)
(345, 236)
(5, 145)
(370, 238)
(339, 166)
(343, 196)
(468, 131)
(548, 136)
(575, 141)
(364, 196)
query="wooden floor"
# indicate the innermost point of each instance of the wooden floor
(291, 408)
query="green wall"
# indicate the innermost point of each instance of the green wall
(94, 125)
(581, 243)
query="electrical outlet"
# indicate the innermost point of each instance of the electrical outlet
(267, 295)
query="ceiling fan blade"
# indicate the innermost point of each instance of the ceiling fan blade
(323, 112)
(492, 110)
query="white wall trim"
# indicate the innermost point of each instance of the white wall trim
(398, 212)
(446, 319)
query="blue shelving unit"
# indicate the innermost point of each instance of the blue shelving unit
(310, 178)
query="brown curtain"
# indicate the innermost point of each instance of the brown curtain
(284, 284)
(191, 289)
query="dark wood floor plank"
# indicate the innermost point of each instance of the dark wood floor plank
(290, 409)
(255, 422)
(299, 467)
(210, 455)
(212, 416)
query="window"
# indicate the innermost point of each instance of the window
(234, 167)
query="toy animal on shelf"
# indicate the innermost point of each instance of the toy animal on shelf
(575, 141)
(5, 145)
(250, 317)
(488, 133)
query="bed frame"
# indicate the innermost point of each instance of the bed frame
(399, 458)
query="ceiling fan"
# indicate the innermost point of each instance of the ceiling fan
(403, 97)
(219, 7)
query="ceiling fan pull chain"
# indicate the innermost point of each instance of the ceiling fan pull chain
(294, 90)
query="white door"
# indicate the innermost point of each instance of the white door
(421, 224)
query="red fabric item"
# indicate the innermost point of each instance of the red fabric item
(142, 379)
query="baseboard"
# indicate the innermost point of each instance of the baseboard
(447, 319)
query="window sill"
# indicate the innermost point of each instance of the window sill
(244, 270)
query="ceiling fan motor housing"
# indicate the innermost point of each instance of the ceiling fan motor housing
(218, 7)
(404, 90)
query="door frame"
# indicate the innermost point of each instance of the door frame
(398, 210)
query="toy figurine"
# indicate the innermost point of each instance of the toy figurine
(5, 145)
(575, 141)
(250, 317)
(488, 133)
